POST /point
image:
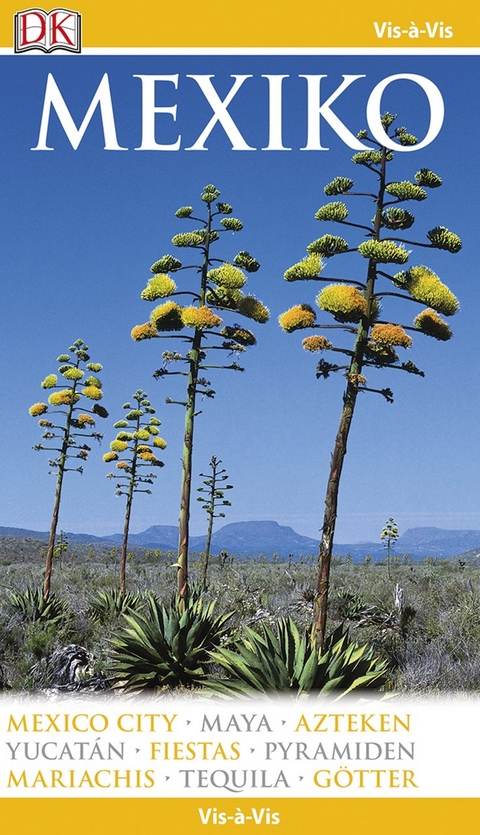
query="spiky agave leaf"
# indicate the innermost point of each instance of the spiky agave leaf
(107, 604)
(166, 647)
(346, 666)
(289, 662)
(31, 606)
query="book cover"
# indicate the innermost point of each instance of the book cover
(240, 539)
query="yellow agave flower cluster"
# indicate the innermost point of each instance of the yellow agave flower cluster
(388, 334)
(92, 391)
(316, 343)
(146, 331)
(349, 304)
(309, 268)
(38, 409)
(171, 316)
(228, 277)
(223, 290)
(70, 370)
(345, 302)
(299, 316)
(128, 441)
(430, 323)
(159, 287)
(383, 339)
(254, 309)
(63, 398)
(425, 286)
(85, 420)
(202, 318)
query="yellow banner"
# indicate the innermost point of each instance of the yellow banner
(276, 25)
(122, 817)
(268, 23)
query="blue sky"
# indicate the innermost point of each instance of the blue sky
(80, 230)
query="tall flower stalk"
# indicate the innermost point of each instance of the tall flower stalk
(134, 448)
(389, 536)
(356, 305)
(68, 430)
(212, 498)
(219, 287)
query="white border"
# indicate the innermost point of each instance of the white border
(267, 50)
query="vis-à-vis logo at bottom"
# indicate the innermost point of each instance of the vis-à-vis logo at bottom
(57, 29)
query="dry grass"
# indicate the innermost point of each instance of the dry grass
(436, 648)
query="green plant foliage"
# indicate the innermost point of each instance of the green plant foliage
(425, 286)
(309, 268)
(346, 303)
(218, 288)
(246, 261)
(159, 287)
(367, 158)
(429, 323)
(442, 238)
(405, 190)
(254, 309)
(166, 648)
(227, 276)
(184, 211)
(428, 178)
(397, 218)
(289, 662)
(30, 606)
(327, 246)
(166, 264)
(64, 441)
(188, 239)
(232, 224)
(384, 252)
(332, 211)
(108, 604)
(404, 137)
(340, 185)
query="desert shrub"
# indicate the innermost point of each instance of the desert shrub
(441, 651)
(39, 640)
(430, 668)
(465, 619)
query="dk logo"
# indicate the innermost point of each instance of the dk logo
(58, 29)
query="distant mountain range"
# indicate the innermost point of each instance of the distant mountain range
(246, 539)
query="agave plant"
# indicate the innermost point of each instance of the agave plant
(31, 606)
(289, 662)
(108, 604)
(166, 647)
